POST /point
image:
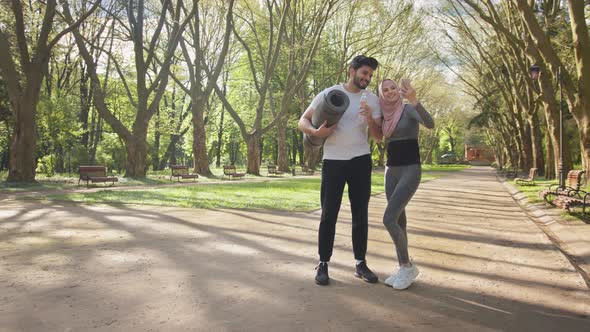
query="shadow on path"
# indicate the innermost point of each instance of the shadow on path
(485, 267)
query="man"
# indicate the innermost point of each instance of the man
(347, 160)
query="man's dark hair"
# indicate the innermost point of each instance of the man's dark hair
(361, 60)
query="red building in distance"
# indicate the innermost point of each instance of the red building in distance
(479, 154)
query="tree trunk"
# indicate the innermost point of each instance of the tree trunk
(294, 146)
(550, 109)
(136, 147)
(200, 157)
(523, 142)
(173, 160)
(253, 147)
(169, 154)
(528, 148)
(84, 105)
(23, 146)
(508, 148)
(585, 146)
(156, 150)
(581, 42)
(219, 138)
(282, 153)
(537, 138)
(59, 166)
(576, 90)
(261, 149)
(95, 138)
(550, 165)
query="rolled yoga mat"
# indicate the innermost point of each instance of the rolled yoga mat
(330, 109)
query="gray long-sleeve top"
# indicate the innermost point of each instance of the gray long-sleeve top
(409, 123)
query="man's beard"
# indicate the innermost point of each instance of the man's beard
(357, 82)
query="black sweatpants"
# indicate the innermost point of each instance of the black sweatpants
(355, 172)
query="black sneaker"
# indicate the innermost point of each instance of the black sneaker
(321, 277)
(363, 272)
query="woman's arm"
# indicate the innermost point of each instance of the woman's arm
(426, 118)
(409, 93)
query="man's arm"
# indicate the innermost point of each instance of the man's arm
(306, 127)
(375, 128)
(374, 124)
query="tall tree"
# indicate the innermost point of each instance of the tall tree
(304, 32)
(262, 55)
(204, 46)
(516, 48)
(581, 42)
(27, 42)
(152, 55)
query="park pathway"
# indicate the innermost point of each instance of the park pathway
(484, 264)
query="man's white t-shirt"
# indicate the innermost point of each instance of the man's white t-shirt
(349, 139)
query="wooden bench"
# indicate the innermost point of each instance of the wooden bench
(572, 188)
(272, 170)
(528, 181)
(231, 172)
(569, 202)
(570, 196)
(95, 174)
(181, 172)
(302, 170)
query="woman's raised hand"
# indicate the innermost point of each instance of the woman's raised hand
(407, 91)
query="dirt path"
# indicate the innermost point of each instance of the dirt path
(485, 266)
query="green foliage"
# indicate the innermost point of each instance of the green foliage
(46, 165)
(5, 135)
(392, 31)
(111, 153)
(118, 102)
(55, 120)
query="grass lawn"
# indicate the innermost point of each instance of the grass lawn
(532, 192)
(289, 194)
(444, 168)
(70, 181)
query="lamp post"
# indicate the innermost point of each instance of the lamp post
(534, 73)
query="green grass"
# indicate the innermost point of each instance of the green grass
(444, 168)
(70, 181)
(288, 194)
(66, 181)
(60, 182)
(532, 192)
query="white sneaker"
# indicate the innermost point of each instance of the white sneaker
(389, 280)
(405, 277)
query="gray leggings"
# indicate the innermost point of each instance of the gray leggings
(401, 183)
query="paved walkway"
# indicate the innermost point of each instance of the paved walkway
(485, 266)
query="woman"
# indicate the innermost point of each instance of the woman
(402, 176)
